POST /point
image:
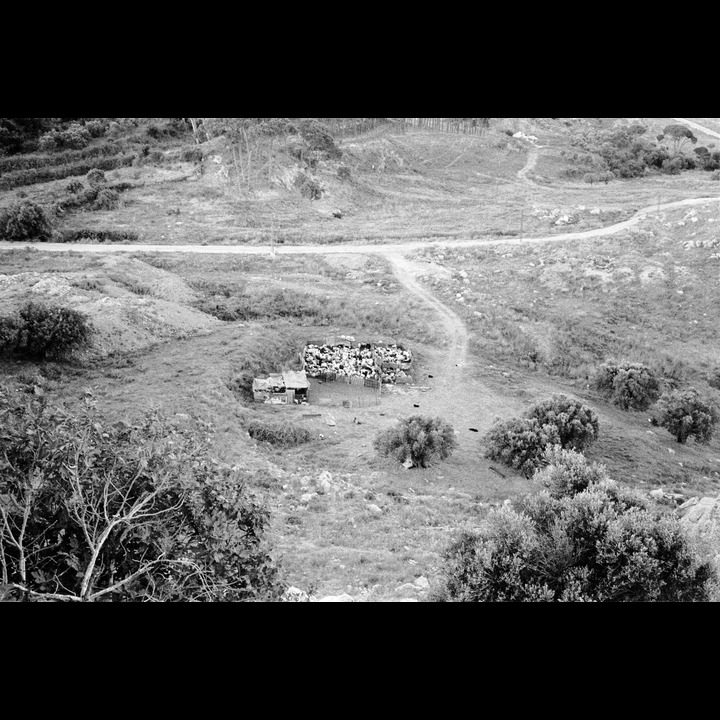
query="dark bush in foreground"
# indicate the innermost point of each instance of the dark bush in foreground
(41, 332)
(95, 511)
(24, 221)
(278, 433)
(685, 414)
(630, 386)
(597, 545)
(418, 440)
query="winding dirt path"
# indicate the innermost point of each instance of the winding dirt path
(455, 329)
(363, 249)
(529, 167)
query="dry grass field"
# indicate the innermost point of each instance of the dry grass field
(493, 328)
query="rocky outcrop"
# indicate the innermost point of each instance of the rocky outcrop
(701, 520)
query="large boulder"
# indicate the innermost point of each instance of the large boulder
(701, 520)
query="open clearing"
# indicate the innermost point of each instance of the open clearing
(448, 244)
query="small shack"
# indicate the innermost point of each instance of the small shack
(288, 388)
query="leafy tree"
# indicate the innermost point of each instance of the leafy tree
(679, 136)
(97, 512)
(584, 540)
(685, 414)
(631, 386)
(418, 440)
(24, 221)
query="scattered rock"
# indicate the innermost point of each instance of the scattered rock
(422, 584)
(307, 499)
(375, 510)
(295, 595)
(325, 483)
(338, 599)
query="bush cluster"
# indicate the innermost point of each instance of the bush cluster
(631, 386)
(42, 174)
(626, 153)
(101, 236)
(521, 443)
(24, 221)
(42, 332)
(75, 137)
(583, 539)
(417, 440)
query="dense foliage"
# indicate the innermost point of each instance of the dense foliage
(99, 512)
(577, 424)
(685, 414)
(561, 421)
(24, 221)
(520, 443)
(627, 152)
(418, 440)
(631, 386)
(40, 332)
(582, 540)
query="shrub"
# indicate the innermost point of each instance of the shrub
(107, 199)
(101, 236)
(344, 172)
(567, 473)
(685, 414)
(630, 386)
(96, 178)
(138, 513)
(96, 128)
(418, 440)
(597, 544)
(520, 444)
(715, 175)
(40, 332)
(24, 221)
(278, 433)
(577, 425)
(75, 187)
(192, 155)
(309, 187)
(714, 379)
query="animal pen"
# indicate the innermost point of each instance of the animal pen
(339, 372)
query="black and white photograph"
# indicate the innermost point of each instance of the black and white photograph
(359, 360)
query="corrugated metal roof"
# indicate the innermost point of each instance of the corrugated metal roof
(295, 380)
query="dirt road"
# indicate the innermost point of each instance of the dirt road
(455, 330)
(363, 249)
